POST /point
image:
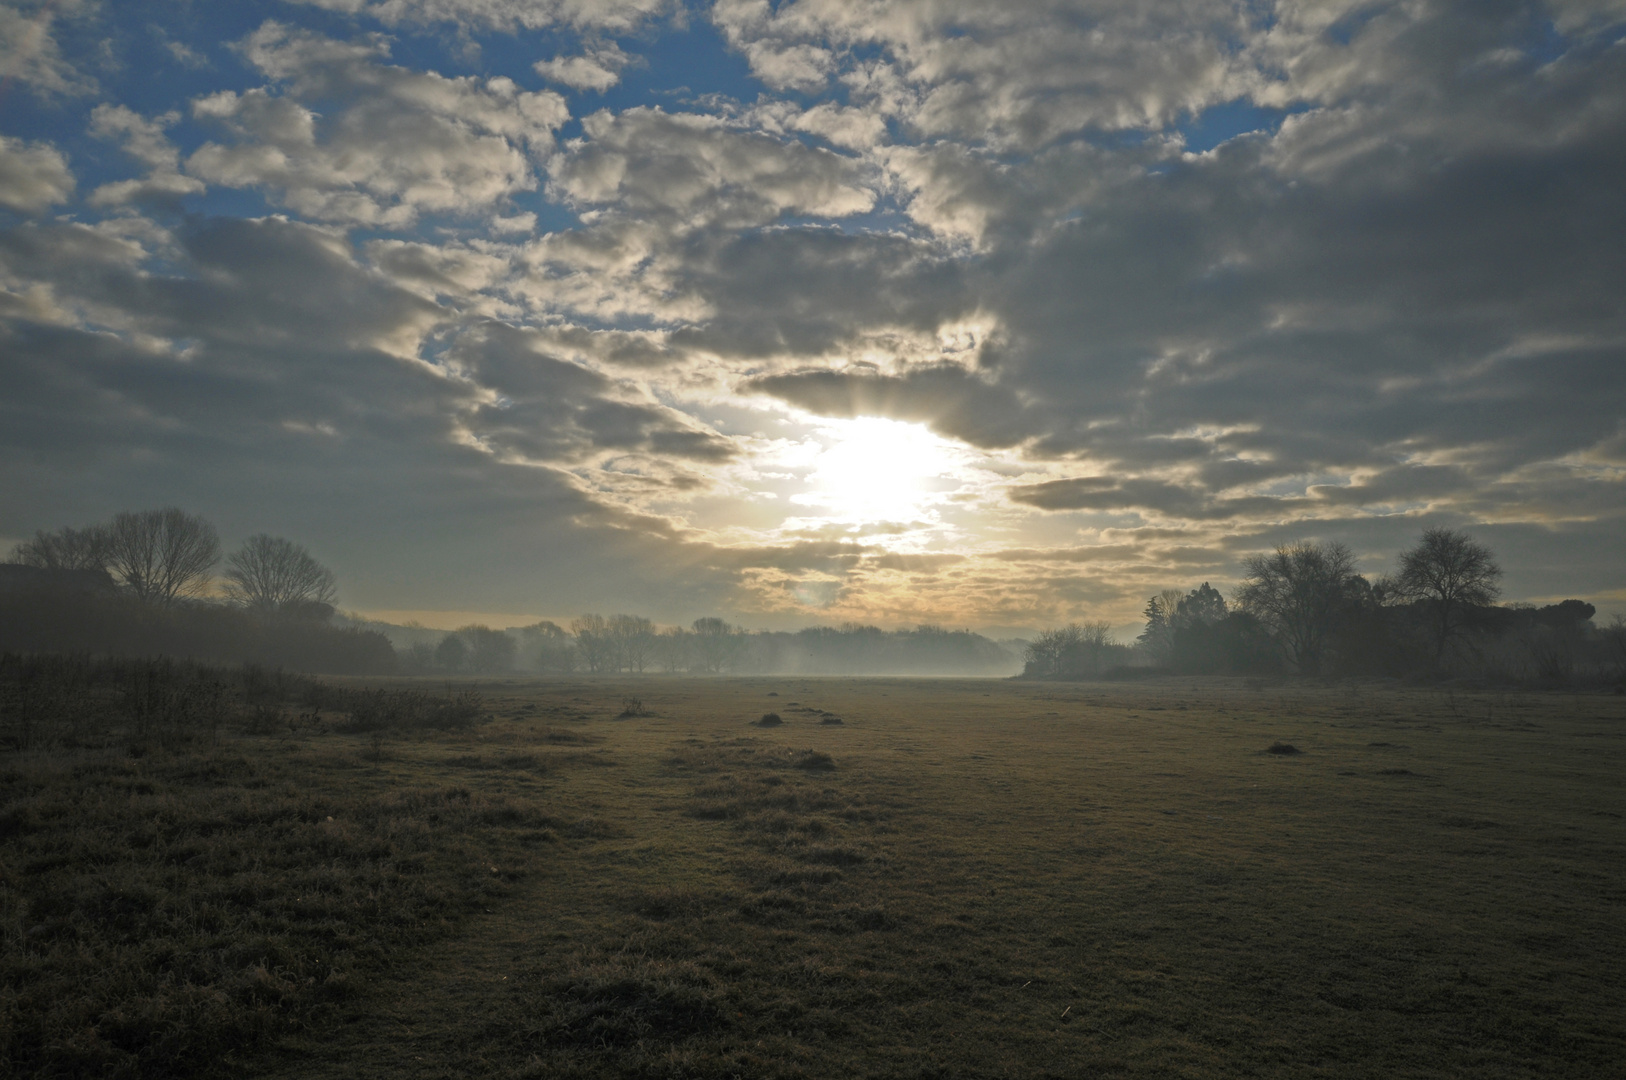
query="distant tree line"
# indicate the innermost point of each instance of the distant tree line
(1305, 609)
(144, 584)
(632, 644)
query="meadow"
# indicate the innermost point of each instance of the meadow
(960, 878)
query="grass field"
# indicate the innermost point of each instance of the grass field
(960, 879)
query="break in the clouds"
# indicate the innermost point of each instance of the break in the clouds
(902, 311)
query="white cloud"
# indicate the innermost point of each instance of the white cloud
(504, 14)
(1010, 75)
(145, 141)
(701, 169)
(597, 69)
(840, 125)
(393, 144)
(29, 52)
(34, 176)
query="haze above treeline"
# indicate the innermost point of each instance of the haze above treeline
(145, 583)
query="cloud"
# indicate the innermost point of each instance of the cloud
(1386, 292)
(698, 168)
(541, 409)
(1010, 75)
(34, 176)
(505, 15)
(387, 145)
(793, 297)
(597, 69)
(950, 400)
(145, 141)
(265, 355)
(29, 53)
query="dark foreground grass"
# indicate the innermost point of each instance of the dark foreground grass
(185, 875)
(964, 879)
(159, 916)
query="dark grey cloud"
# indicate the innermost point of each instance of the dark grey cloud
(948, 398)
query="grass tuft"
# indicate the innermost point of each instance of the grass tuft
(814, 760)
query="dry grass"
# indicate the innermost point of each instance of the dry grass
(963, 879)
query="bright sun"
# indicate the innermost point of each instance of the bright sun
(874, 470)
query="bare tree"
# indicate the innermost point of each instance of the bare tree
(716, 643)
(674, 649)
(1075, 651)
(594, 643)
(634, 638)
(162, 555)
(1299, 593)
(65, 549)
(1452, 574)
(270, 574)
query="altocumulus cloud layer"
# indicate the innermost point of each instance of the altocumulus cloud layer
(899, 310)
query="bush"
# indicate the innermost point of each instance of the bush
(62, 621)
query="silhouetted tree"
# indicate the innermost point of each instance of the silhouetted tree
(1158, 637)
(716, 644)
(674, 649)
(417, 658)
(549, 647)
(1614, 638)
(65, 549)
(634, 638)
(1451, 574)
(162, 555)
(452, 653)
(269, 574)
(1203, 604)
(1299, 592)
(488, 650)
(594, 643)
(1075, 651)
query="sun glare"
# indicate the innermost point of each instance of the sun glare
(874, 470)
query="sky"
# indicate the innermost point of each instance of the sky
(994, 316)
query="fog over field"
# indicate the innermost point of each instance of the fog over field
(993, 317)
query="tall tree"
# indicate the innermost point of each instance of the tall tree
(452, 652)
(162, 555)
(1299, 592)
(1201, 605)
(1451, 574)
(488, 650)
(594, 643)
(65, 549)
(634, 638)
(716, 643)
(270, 574)
(549, 646)
(1158, 637)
